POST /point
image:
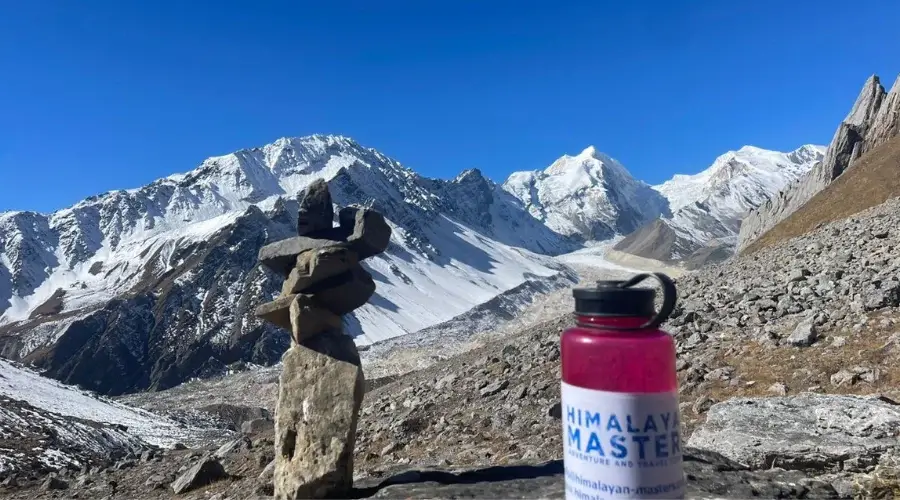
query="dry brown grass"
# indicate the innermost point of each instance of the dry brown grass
(800, 369)
(872, 180)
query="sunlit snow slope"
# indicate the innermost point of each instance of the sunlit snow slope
(707, 208)
(148, 287)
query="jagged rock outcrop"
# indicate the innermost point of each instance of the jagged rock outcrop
(886, 124)
(873, 120)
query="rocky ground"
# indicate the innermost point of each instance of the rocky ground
(817, 313)
(802, 329)
(487, 423)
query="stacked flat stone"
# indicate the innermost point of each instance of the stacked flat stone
(321, 384)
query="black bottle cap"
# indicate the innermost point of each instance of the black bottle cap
(610, 298)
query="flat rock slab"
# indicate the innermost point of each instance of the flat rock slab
(281, 256)
(242, 443)
(277, 312)
(710, 475)
(363, 231)
(804, 432)
(314, 266)
(315, 420)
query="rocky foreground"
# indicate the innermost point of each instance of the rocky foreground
(486, 424)
(789, 386)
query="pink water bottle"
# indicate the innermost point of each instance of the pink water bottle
(621, 428)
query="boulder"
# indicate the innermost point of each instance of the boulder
(804, 334)
(803, 432)
(201, 474)
(235, 445)
(54, 483)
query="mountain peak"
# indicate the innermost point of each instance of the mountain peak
(589, 196)
(867, 103)
(811, 148)
(317, 138)
(747, 148)
(470, 175)
(807, 153)
(589, 161)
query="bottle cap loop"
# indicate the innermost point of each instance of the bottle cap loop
(617, 298)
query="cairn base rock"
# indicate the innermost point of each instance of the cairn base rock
(316, 417)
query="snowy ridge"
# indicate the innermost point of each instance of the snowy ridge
(708, 207)
(738, 181)
(113, 234)
(156, 271)
(587, 197)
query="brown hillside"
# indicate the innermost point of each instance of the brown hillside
(870, 181)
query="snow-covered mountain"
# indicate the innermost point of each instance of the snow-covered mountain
(708, 207)
(740, 180)
(148, 287)
(145, 288)
(587, 197)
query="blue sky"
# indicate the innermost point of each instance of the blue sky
(100, 95)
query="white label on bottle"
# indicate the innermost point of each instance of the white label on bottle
(619, 445)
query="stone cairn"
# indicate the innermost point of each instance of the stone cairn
(321, 385)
